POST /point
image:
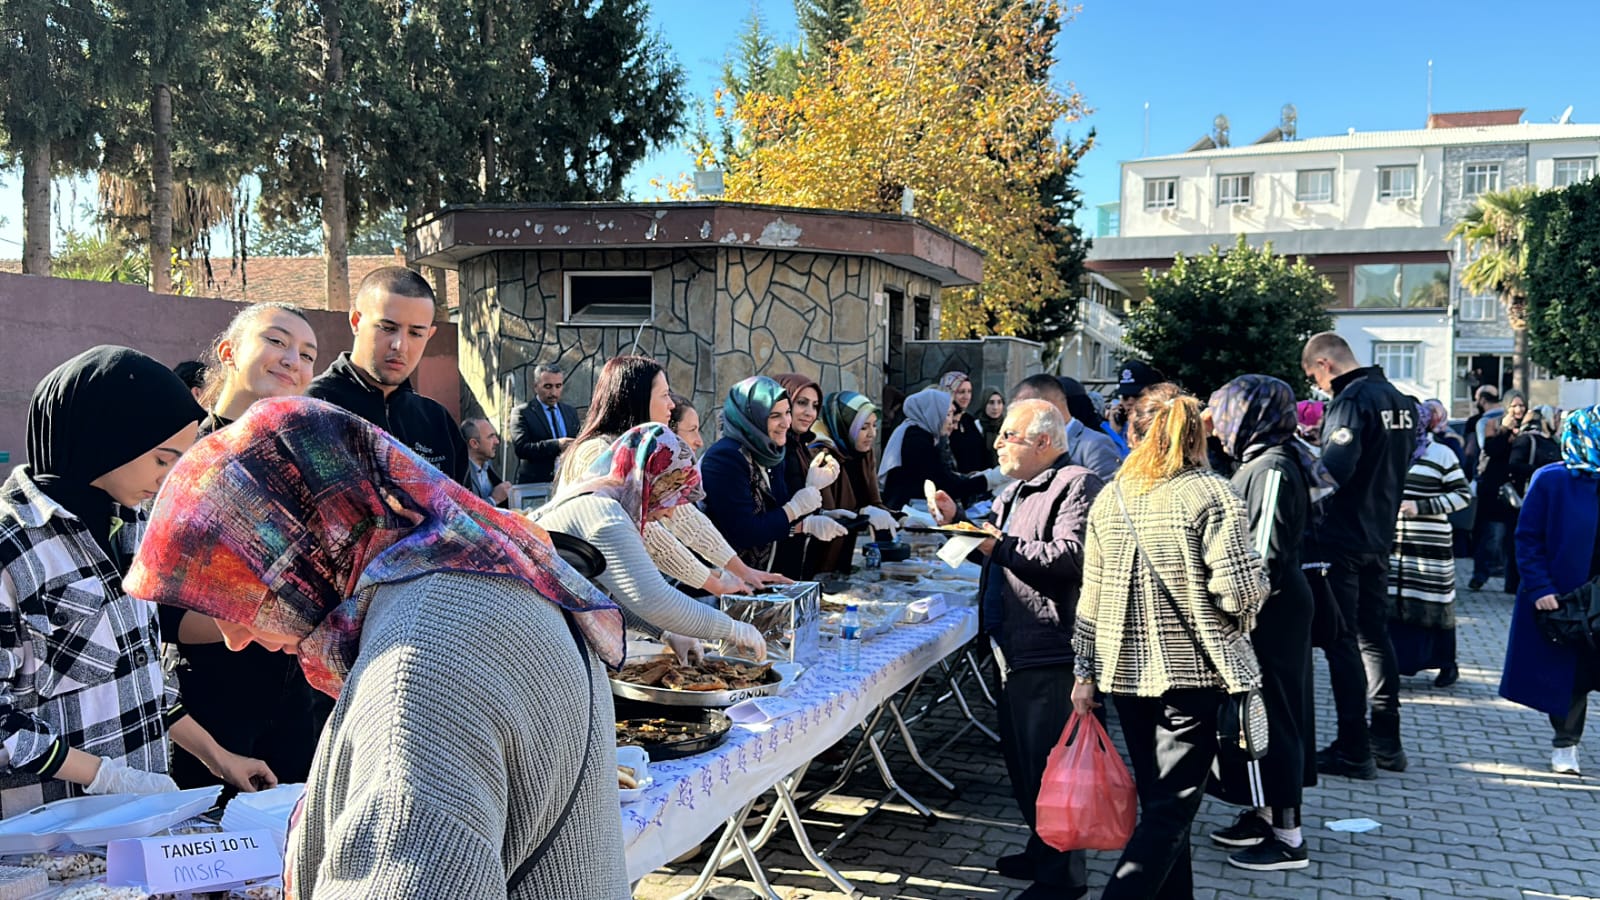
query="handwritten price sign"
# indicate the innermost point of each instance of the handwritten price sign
(193, 862)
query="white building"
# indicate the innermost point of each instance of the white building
(1369, 210)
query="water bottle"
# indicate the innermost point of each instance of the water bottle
(873, 556)
(850, 639)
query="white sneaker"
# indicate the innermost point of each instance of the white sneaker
(1564, 760)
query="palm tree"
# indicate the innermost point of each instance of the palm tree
(1494, 230)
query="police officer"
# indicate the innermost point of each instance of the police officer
(1368, 437)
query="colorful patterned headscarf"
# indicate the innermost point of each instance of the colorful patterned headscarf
(646, 470)
(1438, 417)
(1424, 433)
(283, 520)
(1309, 413)
(1580, 441)
(844, 413)
(927, 409)
(744, 418)
(949, 381)
(1254, 412)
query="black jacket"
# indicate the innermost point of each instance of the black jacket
(535, 446)
(1368, 437)
(921, 461)
(419, 423)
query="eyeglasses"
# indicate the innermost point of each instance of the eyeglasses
(1014, 437)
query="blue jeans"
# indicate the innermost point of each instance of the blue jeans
(1489, 552)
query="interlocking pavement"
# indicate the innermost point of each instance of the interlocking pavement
(1477, 814)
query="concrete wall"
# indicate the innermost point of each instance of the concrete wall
(47, 320)
(998, 362)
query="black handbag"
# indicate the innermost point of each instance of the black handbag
(1242, 717)
(1575, 623)
(1327, 620)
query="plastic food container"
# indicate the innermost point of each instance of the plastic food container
(141, 816)
(44, 827)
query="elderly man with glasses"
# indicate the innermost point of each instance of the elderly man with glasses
(1032, 571)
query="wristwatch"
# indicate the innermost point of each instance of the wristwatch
(1082, 679)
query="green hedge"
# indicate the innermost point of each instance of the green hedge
(1562, 276)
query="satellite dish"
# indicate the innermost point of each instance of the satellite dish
(1566, 116)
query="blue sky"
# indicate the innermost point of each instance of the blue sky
(1358, 64)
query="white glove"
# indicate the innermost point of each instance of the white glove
(688, 650)
(824, 470)
(721, 582)
(996, 478)
(881, 519)
(115, 777)
(806, 500)
(823, 528)
(748, 639)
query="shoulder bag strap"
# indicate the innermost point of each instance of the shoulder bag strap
(1161, 584)
(539, 852)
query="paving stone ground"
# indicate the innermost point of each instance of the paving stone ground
(1477, 814)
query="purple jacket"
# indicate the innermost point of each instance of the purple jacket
(1030, 582)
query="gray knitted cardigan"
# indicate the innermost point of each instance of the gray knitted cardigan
(456, 743)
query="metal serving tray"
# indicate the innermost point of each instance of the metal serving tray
(670, 697)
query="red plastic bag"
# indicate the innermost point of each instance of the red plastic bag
(1086, 798)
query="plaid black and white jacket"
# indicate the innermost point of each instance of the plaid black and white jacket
(1128, 637)
(80, 661)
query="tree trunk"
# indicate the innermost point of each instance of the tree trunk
(335, 220)
(1521, 369)
(489, 174)
(161, 173)
(36, 209)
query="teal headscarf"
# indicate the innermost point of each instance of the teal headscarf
(1580, 441)
(843, 414)
(744, 418)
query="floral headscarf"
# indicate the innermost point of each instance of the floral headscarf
(926, 409)
(950, 381)
(646, 470)
(1580, 441)
(1424, 433)
(283, 520)
(744, 418)
(844, 413)
(1438, 417)
(1254, 412)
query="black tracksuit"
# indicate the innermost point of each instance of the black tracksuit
(421, 424)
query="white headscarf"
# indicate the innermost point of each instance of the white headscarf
(927, 409)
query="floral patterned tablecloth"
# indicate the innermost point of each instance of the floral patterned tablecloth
(693, 796)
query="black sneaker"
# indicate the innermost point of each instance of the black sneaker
(1016, 866)
(1271, 855)
(1331, 762)
(1390, 762)
(1476, 584)
(1447, 676)
(1247, 831)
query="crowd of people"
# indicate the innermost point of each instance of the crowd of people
(1168, 553)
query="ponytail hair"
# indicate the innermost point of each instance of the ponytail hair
(1168, 437)
(216, 373)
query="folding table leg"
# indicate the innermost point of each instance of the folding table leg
(983, 683)
(916, 753)
(961, 702)
(792, 812)
(715, 862)
(888, 778)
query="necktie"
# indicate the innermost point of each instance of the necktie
(555, 423)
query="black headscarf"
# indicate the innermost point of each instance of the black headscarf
(94, 413)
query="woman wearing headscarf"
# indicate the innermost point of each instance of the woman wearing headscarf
(83, 704)
(1443, 435)
(1253, 418)
(1557, 552)
(911, 455)
(632, 391)
(747, 497)
(1171, 588)
(845, 433)
(645, 476)
(990, 417)
(802, 556)
(967, 445)
(473, 727)
(1422, 565)
(1308, 413)
(254, 702)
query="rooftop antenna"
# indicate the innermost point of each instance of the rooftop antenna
(1145, 151)
(1430, 88)
(1219, 130)
(1287, 117)
(1566, 116)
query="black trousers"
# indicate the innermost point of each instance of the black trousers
(1569, 728)
(1361, 664)
(1035, 704)
(1172, 740)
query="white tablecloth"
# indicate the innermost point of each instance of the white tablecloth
(693, 796)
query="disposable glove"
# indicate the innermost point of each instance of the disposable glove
(748, 640)
(823, 471)
(882, 519)
(806, 500)
(115, 777)
(823, 528)
(688, 650)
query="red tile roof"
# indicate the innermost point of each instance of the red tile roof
(1476, 119)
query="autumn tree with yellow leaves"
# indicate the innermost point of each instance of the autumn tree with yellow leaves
(953, 99)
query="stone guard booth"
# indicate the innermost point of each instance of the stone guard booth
(716, 291)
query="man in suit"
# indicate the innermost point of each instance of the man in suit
(483, 444)
(542, 427)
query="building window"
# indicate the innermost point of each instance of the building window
(922, 318)
(1397, 182)
(1573, 171)
(1479, 308)
(1314, 186)
(1233, 190)
(1540, 373)
(1409, 286)
(610, 297)
(1161, 193)
(1479, 178)
(1399, 361)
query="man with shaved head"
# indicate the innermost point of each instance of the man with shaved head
(392, 320)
